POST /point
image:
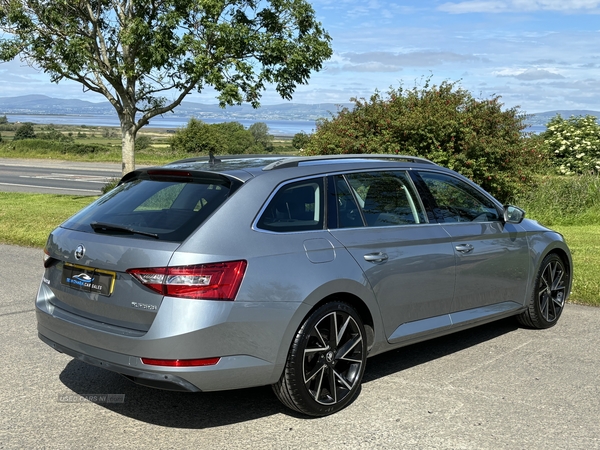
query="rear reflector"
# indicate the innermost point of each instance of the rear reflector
(181, 362)
(216, 281)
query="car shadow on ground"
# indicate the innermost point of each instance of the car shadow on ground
(216, 409)
(413, 355)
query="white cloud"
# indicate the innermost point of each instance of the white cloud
(504, 6)
(370, 67)
(474, 7)
(529, 74)
(391, 62)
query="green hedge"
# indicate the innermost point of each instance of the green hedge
(25, 146)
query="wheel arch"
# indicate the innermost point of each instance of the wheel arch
(565, 257)
(361, 308)
(357, 295)
(549, 291)
(546, 243)
(562, 255)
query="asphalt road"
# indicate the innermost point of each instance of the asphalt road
(55, 177)
(493, 387)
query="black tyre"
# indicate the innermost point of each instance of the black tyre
(325, 363)
(549, 294)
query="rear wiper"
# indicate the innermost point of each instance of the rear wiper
(101, 227)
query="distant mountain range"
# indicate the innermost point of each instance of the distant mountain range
(42, 104)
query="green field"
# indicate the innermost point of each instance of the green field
(108, 143)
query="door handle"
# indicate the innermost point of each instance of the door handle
(376, 257)
(464, 248)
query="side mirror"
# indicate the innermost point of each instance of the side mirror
(512, 214)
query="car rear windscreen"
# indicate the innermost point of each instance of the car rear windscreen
(168, 209)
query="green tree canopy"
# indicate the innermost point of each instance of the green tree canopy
(300, 140)
(200, 138)
(442, 123)
(146, 56)
(24, 131)
(261, 135)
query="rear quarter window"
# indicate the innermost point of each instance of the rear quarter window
(296, 206)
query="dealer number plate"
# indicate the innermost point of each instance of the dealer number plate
(88, 279)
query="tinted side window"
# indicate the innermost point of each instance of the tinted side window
(457, 201)
(295, 207)
(386, 198)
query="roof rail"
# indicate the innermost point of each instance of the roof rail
(301, 160)
(207, 158)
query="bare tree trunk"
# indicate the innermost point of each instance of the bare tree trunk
(128, 133)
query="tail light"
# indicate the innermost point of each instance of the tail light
(216, 281)
(48, 260)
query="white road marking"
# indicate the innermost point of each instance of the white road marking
(69, 177)
(50, 187)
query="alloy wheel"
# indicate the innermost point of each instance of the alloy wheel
(552, 290)
(333, 358)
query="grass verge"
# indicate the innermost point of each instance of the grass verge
(56, 151)
(584, 242)
(154, 156)
(559, 200)
(571, 206)
(27, 219)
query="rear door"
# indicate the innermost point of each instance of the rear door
(409, 262)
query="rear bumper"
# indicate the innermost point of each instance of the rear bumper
(231, 372)
(168, 382)
(250, 338)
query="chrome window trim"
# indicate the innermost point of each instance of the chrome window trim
(323, 177)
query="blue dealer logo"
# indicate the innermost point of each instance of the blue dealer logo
(83, 277)
(84, 280)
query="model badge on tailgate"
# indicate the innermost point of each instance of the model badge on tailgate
(143, 306)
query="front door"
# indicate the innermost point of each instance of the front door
(492, 263)
(409, 262)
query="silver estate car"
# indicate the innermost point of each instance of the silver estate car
(207, 275)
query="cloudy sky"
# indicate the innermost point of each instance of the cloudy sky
(540, 55)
